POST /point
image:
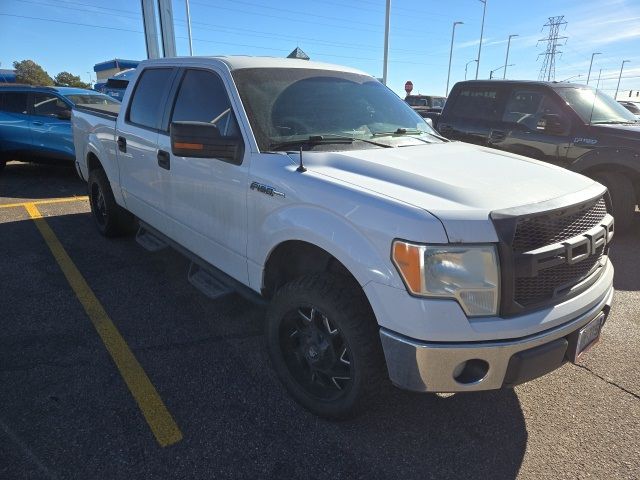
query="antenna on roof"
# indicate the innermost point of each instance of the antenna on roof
(301, 168)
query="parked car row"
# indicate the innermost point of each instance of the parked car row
(633, 107)
(35, 122)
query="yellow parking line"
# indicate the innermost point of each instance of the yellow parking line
(43, 202)
(155, 412)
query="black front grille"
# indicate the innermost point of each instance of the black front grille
(551, 283)
(538, 231)
(524, 286)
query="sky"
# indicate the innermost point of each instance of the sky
(73, 35)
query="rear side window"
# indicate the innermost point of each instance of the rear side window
(13, 102)
(203, 98)
(477, 103)
(146, 105)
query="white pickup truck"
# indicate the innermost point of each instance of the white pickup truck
(383, 250)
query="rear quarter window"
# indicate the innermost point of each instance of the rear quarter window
(146, 107)
(13, 102)
(477, 103)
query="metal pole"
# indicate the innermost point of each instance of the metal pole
(591, 65)
(506, 60)
(620, 78)
(484, 10)
(467, 66)
(386, 42)
(453, 34)
(189, 29)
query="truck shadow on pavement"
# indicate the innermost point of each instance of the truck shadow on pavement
(625, 256)
(35, 181)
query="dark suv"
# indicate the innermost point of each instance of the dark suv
(569, 125)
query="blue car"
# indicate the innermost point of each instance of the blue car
(35, 122)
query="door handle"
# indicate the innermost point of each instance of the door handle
(122, 144)
(164, 160)
(38, 122)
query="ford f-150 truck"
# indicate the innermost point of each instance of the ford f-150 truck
(383, 250)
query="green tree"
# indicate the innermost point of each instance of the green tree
(29, 72)
(66, 79)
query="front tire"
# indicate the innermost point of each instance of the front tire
(623, 198)
(324, 345)
(111, 219)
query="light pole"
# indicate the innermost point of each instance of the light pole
(467, 66)
(506, 60)
(386, 42)
(591, 65)
(620, 77)
(499, 68)
(189, 29)
(484, 11)
(453, 34)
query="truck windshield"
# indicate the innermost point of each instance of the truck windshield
(285, 105)
(595, 107)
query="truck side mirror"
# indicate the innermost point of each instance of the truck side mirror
(203, 140)
(552, 124)
(64, 114)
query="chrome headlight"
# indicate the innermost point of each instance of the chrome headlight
(469, 274)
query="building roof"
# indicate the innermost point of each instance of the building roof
(115, 63)
(7, 75)
(299, 54)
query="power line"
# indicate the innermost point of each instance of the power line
(70, 23)
(548, 69)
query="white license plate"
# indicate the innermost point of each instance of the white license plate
(589, 335)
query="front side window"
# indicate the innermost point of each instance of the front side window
(344, 110)
(48, 105)
(477, 103)
(146, 105)
(13, 102)
(203, 98)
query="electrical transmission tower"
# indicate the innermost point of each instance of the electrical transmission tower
(554, 40)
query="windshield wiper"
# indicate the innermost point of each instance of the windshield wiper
(409, 132)
(323, 140)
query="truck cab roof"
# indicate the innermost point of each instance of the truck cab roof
(238, 62)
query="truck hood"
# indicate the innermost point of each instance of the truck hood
(460, 184)
(627, 130)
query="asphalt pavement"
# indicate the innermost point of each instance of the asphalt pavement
(66, 411)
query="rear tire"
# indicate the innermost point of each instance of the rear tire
(324, 345)
(623, 198)
(111, 219)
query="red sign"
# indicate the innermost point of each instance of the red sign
(408, 87)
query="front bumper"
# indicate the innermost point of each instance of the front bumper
(433, 366)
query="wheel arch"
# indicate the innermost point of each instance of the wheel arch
(618, 160)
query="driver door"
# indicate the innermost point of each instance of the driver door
(536, 126)
(50, 122)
